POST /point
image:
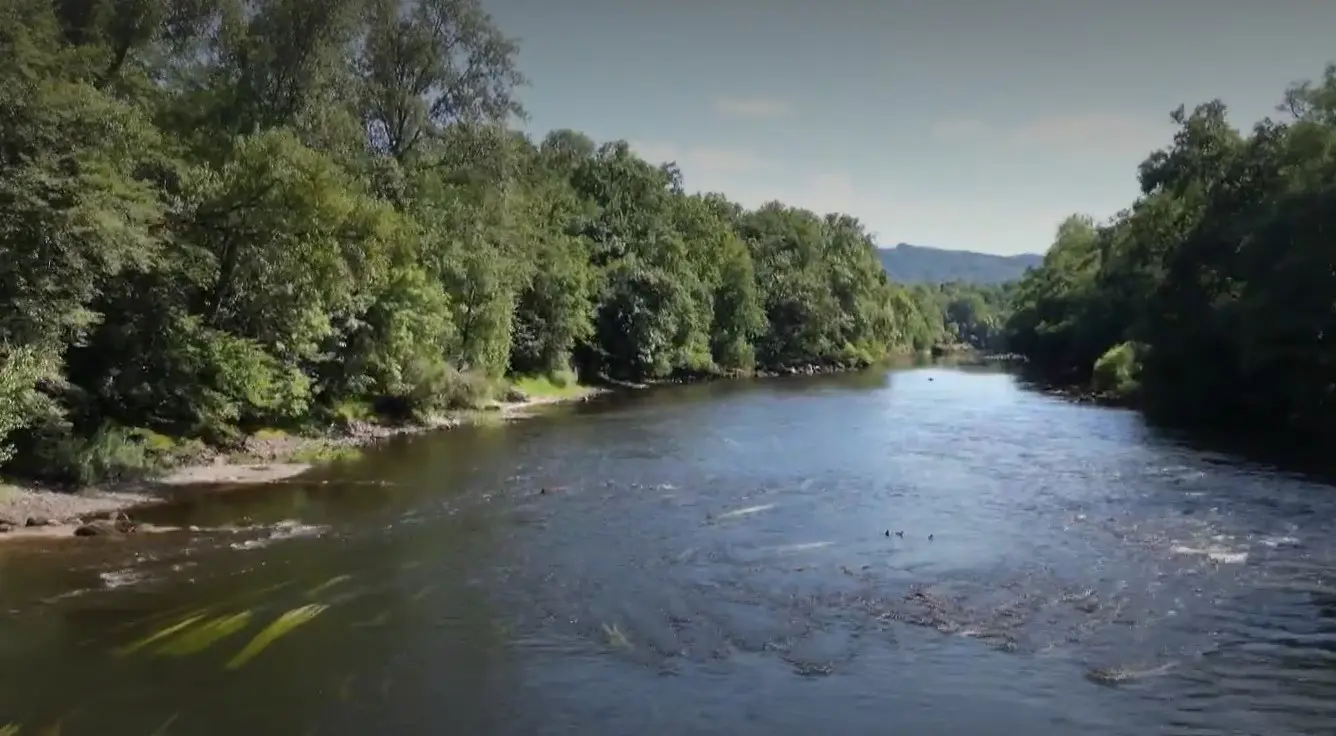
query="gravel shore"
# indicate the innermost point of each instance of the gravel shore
(37, 513)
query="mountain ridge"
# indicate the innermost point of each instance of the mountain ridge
(921, 264)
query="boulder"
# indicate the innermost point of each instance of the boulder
(106, 527)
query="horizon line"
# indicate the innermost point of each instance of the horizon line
(961, 250)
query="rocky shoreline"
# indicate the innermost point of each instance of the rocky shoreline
(45, 513)
(1083, 395)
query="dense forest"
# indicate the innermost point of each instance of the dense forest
(1212, 298)
(918, 264)
(220, 215)
(971, 316)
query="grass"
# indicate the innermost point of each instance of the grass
(557, 386)
(320, 453)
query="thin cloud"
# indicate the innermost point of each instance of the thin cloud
(959, 129)
(702, 159)
(1097, 132)
(1099, 129)
(756, 108)
(832, 186)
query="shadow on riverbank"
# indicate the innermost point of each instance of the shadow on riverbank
(1269, 451)
(1273, 451)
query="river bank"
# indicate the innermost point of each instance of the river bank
(1077, 394)
(34, 512)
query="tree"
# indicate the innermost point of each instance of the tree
(220, 215)
(1220, 275)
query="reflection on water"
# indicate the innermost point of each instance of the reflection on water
(932, 548)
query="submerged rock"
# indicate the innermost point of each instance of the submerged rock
(106, 527)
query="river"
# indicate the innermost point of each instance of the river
(711, 559)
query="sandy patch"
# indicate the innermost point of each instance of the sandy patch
(232, 474)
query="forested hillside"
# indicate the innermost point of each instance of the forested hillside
(227, 214)
(1211, 297)
(916, 264)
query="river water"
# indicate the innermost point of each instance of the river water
(711, 560)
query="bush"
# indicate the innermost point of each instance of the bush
(1118, 371)
(434, 385)
(56, 453)
(110, 454)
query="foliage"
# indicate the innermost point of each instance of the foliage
(221, 215)
(1222, 271)
(966, 314)
(1117, 371)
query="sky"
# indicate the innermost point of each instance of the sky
(958, 124)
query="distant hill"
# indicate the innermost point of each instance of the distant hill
(917, 264)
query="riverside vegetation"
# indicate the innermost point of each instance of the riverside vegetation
(1210, 299)
(228, 216)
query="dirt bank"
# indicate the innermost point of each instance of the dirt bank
(39, 513)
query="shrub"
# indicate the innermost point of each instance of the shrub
(1118, 370)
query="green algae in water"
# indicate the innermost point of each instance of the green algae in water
(328, 584)
(191, 610)
(346, 689)
(10, 729)
(158, 636)
(282, 625)
(196, 640)
(616, 638)
(56, 728)
(162, 730)
(374, 622)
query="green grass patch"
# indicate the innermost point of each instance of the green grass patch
(557, 386)
(315, 454)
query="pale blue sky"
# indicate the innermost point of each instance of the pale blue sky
(958, 124)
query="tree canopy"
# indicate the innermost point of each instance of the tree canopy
(1211, 297)
(224, 214)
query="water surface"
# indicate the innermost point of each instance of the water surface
(712, 560)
